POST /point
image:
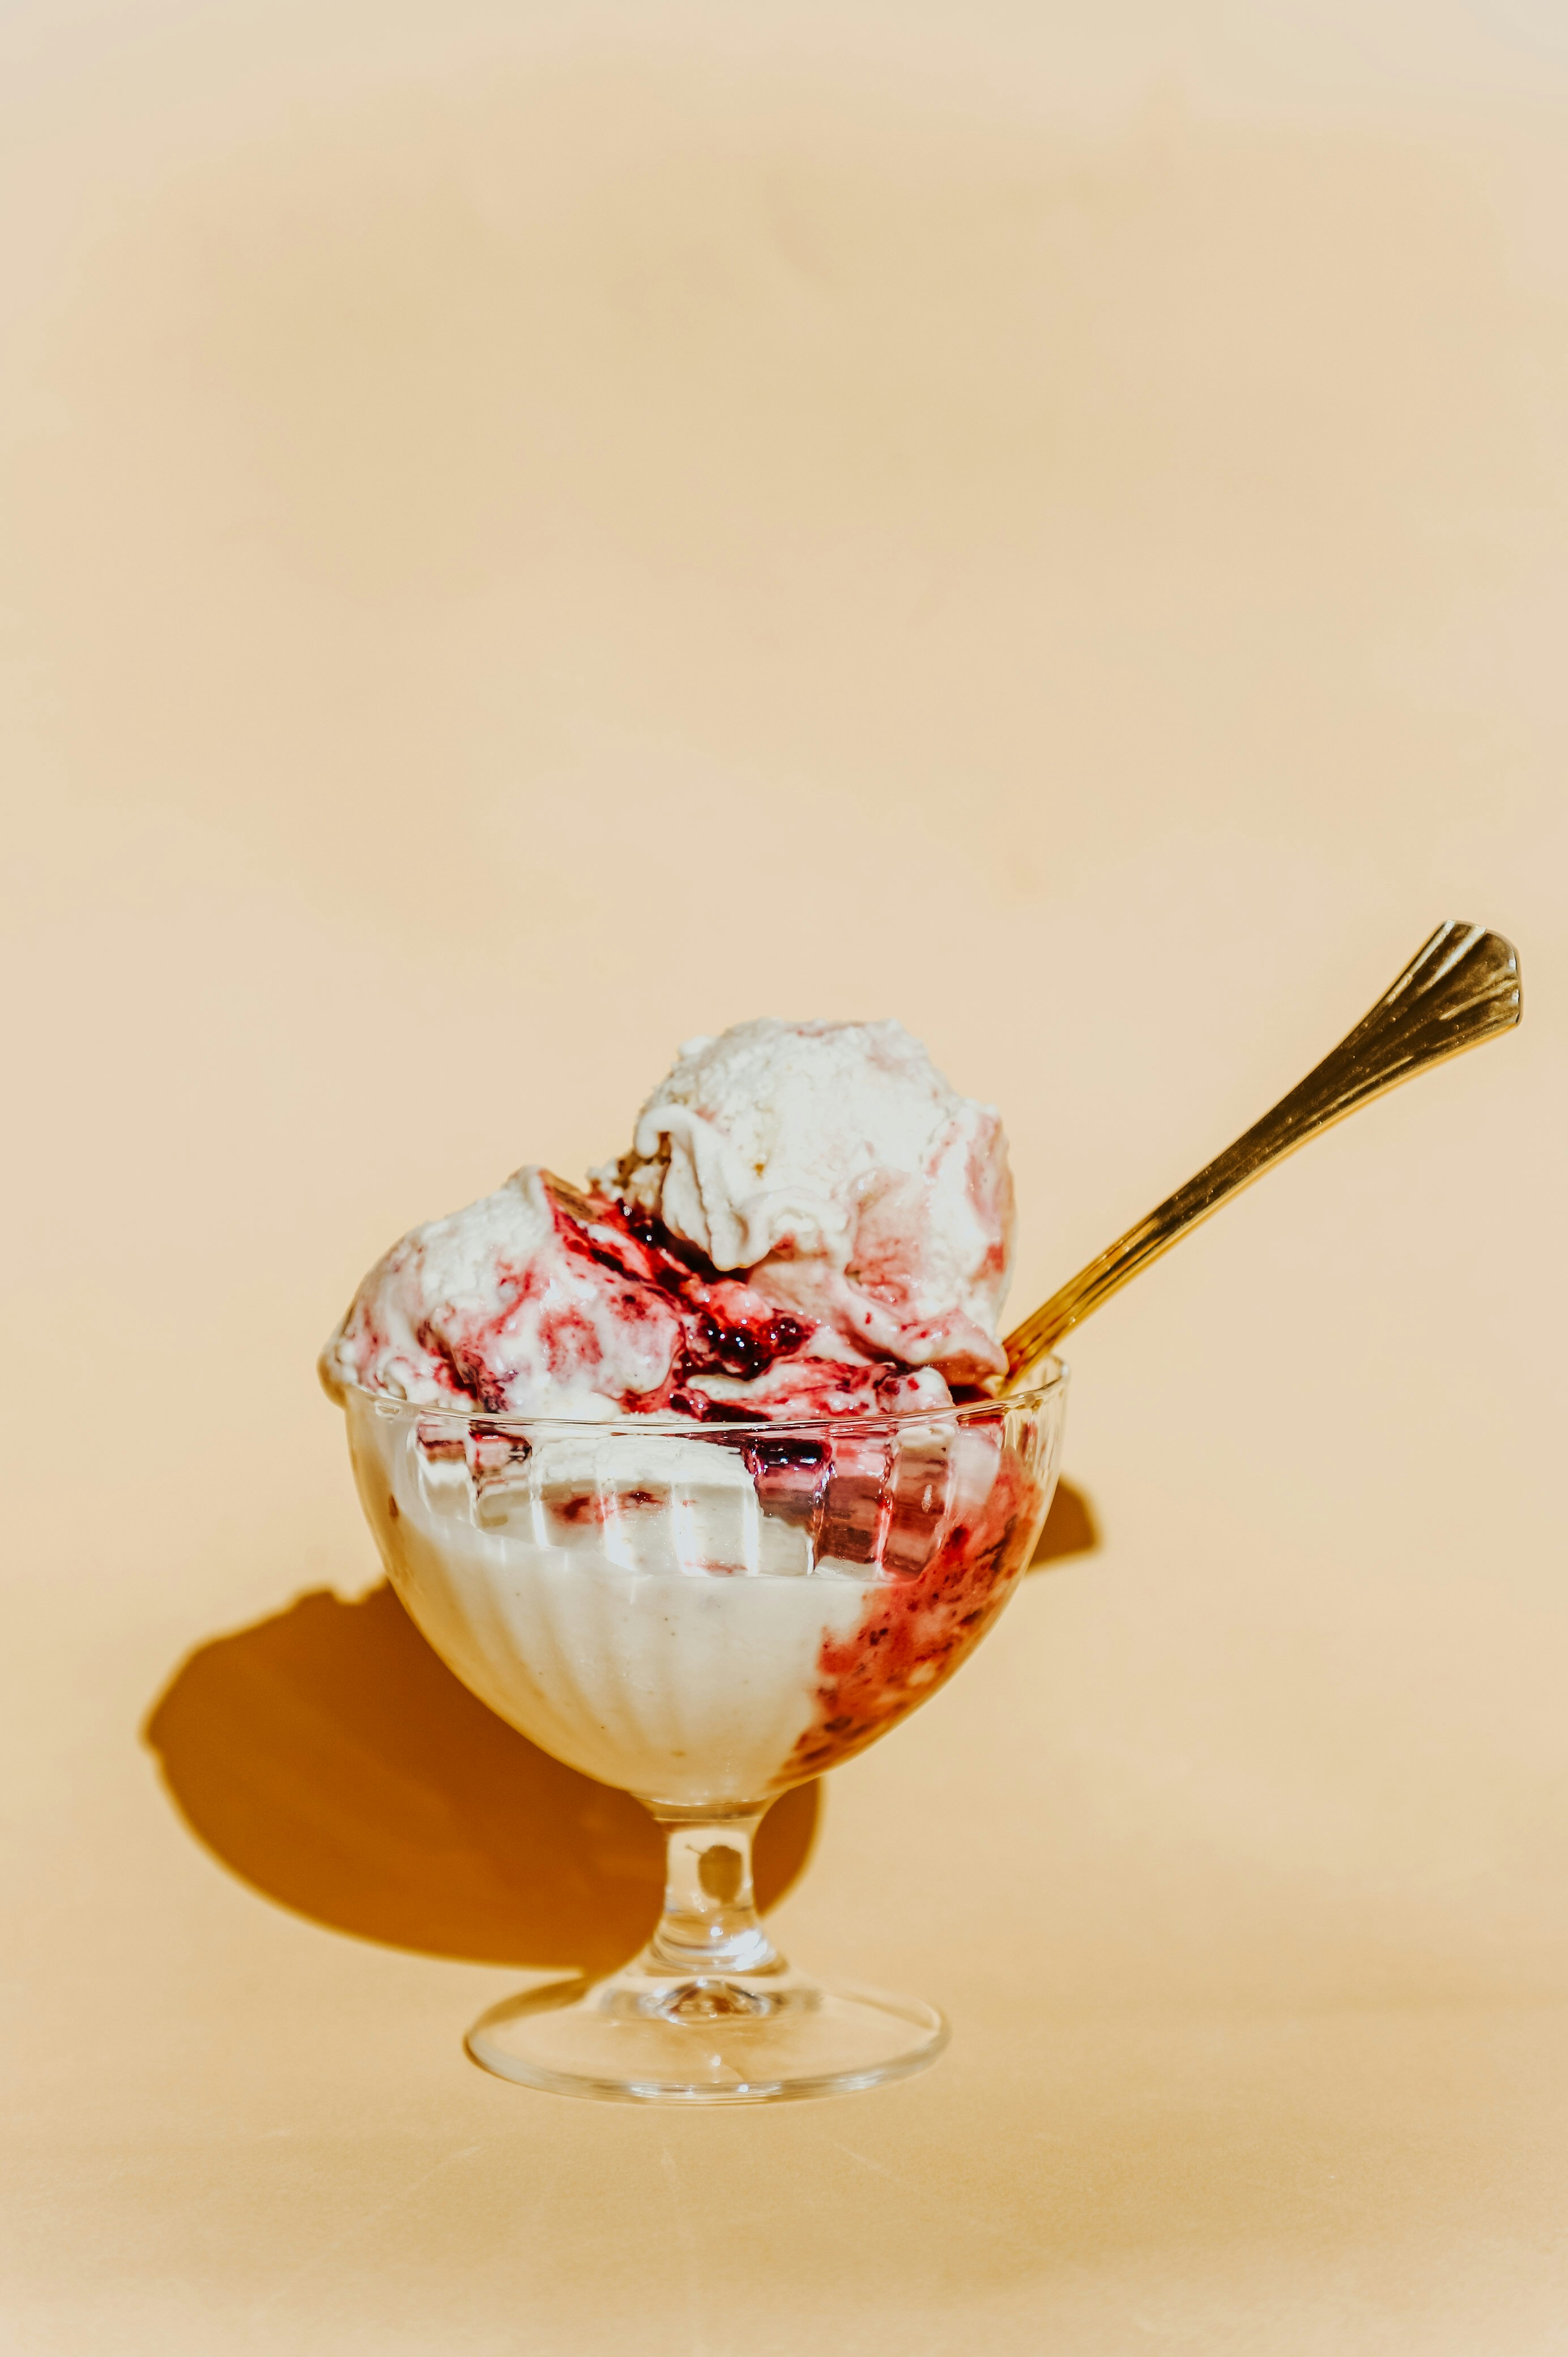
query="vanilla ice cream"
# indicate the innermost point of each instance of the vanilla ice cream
(672, 1471)
(704, 1618)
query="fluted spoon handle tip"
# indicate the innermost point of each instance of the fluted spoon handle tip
(1461, 988)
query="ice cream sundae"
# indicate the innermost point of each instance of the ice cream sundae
(699, 1474)
(707, 1474)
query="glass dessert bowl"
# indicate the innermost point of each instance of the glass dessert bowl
(705, 1615)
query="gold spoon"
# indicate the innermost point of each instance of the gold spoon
(1461, 988)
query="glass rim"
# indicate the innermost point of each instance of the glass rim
(717, 1429)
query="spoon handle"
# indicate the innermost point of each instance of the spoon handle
(1461, 988)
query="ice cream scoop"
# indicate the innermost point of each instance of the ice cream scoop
(833, 1163)
(810, 1223)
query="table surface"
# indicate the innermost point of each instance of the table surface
(535, 533)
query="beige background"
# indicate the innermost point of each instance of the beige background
(532, 531)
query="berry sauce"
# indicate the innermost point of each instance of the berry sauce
(914, 1633)
(725, 1327)
(703, 1343)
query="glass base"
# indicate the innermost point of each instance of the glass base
(652, 2036)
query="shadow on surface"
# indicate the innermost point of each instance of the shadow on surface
(1070, 1529)
(332, 1761)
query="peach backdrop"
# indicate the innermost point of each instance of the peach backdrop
(532, 532)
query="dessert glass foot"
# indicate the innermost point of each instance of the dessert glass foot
(709, 2012)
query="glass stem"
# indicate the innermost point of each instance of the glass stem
(710, 1922)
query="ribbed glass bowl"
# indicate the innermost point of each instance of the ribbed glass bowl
(705, 1615)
